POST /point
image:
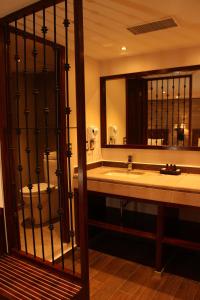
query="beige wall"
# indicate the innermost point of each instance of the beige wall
(92, 95)
(151, 61)
(92, 90)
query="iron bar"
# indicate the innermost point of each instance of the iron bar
(46, 115)
(190, 109)
(156, 109)
(173, 87)
(58, 132)
(37, 132)
(70, 194)
(184, 107)
(167, 117)
(151, 110)
(28, 150)
(179, 93)
(18, 131)
(162, 97)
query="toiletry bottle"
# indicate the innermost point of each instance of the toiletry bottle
(130, 163)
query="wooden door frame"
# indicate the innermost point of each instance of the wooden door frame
(81, 125)
(2, 233)
(81, 142)
(6, 174)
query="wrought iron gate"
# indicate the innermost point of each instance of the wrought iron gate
(38, 132)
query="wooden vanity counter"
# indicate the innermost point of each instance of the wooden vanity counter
(167, 192)
(181, 189)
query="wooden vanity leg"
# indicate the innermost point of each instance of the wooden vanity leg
(159, 236)
(76, 213)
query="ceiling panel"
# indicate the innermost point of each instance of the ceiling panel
(9, 6)
(106, 23)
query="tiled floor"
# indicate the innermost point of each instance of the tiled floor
(47, 240)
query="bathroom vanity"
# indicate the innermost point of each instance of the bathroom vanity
(152, 110)
(144, 184)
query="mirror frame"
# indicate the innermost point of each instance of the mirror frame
(135, 75)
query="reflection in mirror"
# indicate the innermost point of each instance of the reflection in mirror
(154, 110)
(169, 104)
(116, 111)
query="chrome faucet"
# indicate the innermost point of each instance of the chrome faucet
(130, 163)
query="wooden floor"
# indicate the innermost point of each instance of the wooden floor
(111, 278)
(23, 281)
(119, 279)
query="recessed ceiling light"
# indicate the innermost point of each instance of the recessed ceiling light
(177, 97)
(164, 92)
(124, 48)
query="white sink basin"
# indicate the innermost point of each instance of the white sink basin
(123, 173)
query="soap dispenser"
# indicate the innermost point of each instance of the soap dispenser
(130, 163)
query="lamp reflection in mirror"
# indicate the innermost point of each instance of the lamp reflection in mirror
(92, 133)
(112, 132)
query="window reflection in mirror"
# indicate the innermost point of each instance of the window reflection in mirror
(169, 105)
(154, 110)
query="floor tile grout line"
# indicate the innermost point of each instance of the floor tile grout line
(126, 280)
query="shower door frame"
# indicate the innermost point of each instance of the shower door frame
(8, 182)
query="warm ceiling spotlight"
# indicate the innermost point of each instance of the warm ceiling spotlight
(164, 92)
(124, 48)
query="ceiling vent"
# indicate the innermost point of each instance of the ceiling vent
(153, 26)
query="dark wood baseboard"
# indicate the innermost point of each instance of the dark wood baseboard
(150, 167)
(141, 166)
(91, 166)
(2, 233)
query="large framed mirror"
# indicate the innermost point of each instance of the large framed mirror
(154, 109)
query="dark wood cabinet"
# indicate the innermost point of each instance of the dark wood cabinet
(164, 228)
